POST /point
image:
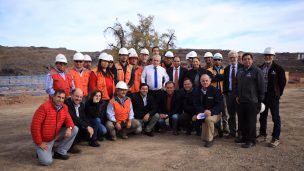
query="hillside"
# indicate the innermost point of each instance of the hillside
(38, 60)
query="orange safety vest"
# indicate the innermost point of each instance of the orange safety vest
(121, 112)
(137, 79)
(81, 81)
(101, 85)
(121, 76)
(60, 83)
(219, 84)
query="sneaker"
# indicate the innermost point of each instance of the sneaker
(274, 143)
(226, 130)
(60, 156)
(113, 138)
(261, 138)
(124, 136)
(94, 144)
(74, 150)
(208, 144)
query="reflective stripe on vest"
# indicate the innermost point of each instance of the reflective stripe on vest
(102, 86)
(121, 76)
(219, 84)
(121, 112)
(60, 83)
(81, 81)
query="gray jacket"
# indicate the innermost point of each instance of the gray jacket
(250, 84)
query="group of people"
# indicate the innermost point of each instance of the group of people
(139, 94)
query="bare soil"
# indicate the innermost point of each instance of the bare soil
(161, 152)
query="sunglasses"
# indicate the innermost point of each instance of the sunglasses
(61, 63)
(217, 59)
(78, 61)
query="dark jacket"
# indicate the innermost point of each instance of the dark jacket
(276, 81)
(250, 85)
(94, 110)
(226, 77)
(188, 101)
(192, 73)
(81, 121)
(182, 72)
(138, 106)
(176, 103)
(211, 101)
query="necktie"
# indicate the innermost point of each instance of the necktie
(155, 78)
(176, 79)
(233, 78)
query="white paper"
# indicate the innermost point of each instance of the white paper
(201, 116)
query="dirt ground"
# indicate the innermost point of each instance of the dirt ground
(161, 152)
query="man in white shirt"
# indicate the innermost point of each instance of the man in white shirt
(177, 73)
(154, 76)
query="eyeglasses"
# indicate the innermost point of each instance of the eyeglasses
(217, 59)
(78, 61)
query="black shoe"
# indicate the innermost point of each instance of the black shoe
(150, 134)
(248, 145)
(175, 133)
(100, 139)
(208, 144)
(239, 140)
(74, 150)
(94, 144)
(188, 133)
(60, 156)
(220, 133)
(229, 136)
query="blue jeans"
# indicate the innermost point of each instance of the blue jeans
(173, 120)
(99, 128)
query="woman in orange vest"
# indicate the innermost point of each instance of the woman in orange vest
(102, 79)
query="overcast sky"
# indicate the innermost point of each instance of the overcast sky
(214, 24)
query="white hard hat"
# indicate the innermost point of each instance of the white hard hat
(78, 56)
(122, 85)
(132, 53)
(110, 57)
(61, 58)
(144, 51)
(269, 51)
(208, 55)
(123, 51)
(169, 54)
(87, 58)
(262, 108)
(103, 56)
(217, 56)
(192, 54)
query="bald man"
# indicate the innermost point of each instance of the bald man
(76, 110)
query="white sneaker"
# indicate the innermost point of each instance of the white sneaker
(261, 138)
(274, 143)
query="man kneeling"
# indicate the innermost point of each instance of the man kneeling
(47, 130)
(120, 113)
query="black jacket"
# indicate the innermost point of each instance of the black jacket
(211, 101)
(250, 85)
(182, 72)
(192, 73)
(176, 103)
(94, 110)
(276, 81)
(188, 101)
(226, 77)
(82, 120)
(138, 106)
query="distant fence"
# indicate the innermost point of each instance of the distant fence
(36, 81)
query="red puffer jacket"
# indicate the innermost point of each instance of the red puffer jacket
(44, 127)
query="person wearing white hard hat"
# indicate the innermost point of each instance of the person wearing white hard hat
(120, 113)
(133, 59)
(80, 74)
(250, 94)
(125, 71)
(229, 91)
(59, 78)
(189, 57)
(144, 57)
(275, 81)
(218, 76)
(208, 57)
(87, 62)
(102, 79)
(168, 60)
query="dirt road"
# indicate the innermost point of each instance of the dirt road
(161, 152)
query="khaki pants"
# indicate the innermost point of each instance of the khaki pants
(208, 127)
(134, 125)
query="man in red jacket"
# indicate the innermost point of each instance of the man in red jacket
(47, 129)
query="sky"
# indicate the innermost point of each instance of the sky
(199, 24)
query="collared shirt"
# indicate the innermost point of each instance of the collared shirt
(76, 109)
(144, 100)
(265, 70)
(175, 70)
(148, 77)
(111, 113)
(49, 82)
(230, 75)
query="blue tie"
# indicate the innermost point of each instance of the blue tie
(155, 78)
